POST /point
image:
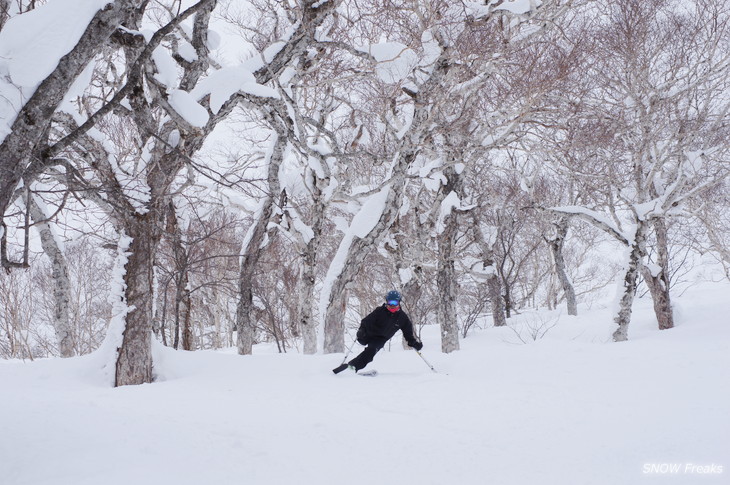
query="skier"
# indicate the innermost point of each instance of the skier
(379, 327)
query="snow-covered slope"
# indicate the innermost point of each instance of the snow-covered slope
(569, 408)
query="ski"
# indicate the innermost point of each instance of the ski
(340, 368)
(367, 373)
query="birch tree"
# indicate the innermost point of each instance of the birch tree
(135, 186)
(556, 242)
(662, 108)
(27, 119)
(60, 276)
(386, 202)
(452, 70)
(307, 19)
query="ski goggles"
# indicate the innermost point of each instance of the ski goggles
(393, 303)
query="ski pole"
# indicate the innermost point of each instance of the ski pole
(349, 350)
(424, 359)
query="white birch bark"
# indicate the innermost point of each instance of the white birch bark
(658, 281)
(183, 324)
(409, 260)
(313, 15)
(637, 251)
(61, 283)
(307, 280)
(446, 313)
(4, 12)
(447, 227)
(556, 243)
(251, 251)
(317, 180)
(494, 285)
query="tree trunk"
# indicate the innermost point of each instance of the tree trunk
(446, 312)
(307, 280)
(182, 290)
(134, 361)
(252, 246)
(61, 282)
(556, 248)
(411, 294)
(494, 289)
(245, 318)
(446, 283)
(494, 285)
(308, 271)
(4, 12)
(334, 340)
(636, 255)
(658, 281)
(188, 340)
(348, 266)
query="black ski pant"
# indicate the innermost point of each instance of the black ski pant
(367, 355)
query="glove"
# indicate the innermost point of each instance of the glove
(417, 345)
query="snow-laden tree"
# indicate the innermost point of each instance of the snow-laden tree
(298, 46)
(34, 81)
(654, 116)
(137, 140)
(444, 74)
(37, 76)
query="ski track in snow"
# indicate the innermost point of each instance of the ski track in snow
(567, 409)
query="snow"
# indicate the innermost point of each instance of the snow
(450, 203)
(405, 275)
(305, 232)
(482, 271)
(75, 91)
(186, 106)
(565, 409)
(135, 187)
(223, 83)
(50, 227)
(654, 269)
(214, 40)
(187, 51)
(695, 162)
(599, 217)
(519, 6)
(31, 46)
(166, 67)
(366, 219)
(105, 357)
(645, 210)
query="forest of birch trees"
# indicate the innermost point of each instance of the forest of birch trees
(222, 173)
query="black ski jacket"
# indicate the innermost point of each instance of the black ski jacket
(382, 324)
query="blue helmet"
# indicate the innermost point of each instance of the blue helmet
(392, 295)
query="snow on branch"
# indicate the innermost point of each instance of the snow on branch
(362, 224)
(134, 75)
(592, 217)
(31, 46)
